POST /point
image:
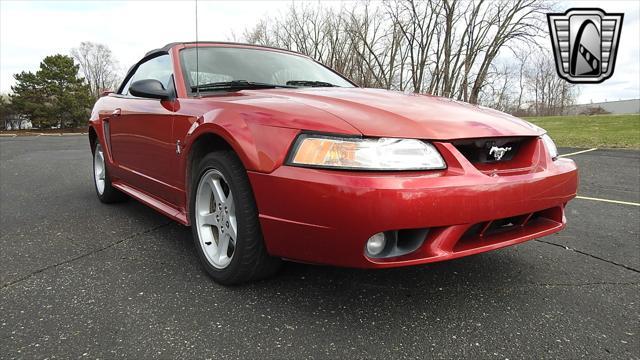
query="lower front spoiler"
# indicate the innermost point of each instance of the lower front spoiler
(457, 241)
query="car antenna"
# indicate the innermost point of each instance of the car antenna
(197, 57)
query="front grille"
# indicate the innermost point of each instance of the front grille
(517, 155)
(479, 150)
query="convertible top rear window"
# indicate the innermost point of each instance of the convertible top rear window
(221, 64)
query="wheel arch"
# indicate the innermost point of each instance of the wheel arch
(203, 143)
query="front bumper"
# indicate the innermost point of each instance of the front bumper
(326, 216)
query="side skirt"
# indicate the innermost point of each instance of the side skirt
(154, 203)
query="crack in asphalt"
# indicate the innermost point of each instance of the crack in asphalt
(546, 285)
(81, 256)
(591, 255)
(602, 283)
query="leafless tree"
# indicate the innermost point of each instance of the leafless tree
(551, 94)
(450, 48)
(522, 57)
(417, 22)
(98, 66)
(499, 91)
(512, 20)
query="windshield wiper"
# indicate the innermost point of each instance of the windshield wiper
(310, 83)
(236, 85)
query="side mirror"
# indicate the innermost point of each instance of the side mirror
(149, 88)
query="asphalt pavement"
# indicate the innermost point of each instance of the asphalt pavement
(83, 279)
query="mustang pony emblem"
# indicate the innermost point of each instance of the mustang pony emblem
(498, 152)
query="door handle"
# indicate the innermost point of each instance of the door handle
(116, 112)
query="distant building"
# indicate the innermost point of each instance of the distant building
(613, 107)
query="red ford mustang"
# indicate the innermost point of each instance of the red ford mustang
(268, 154)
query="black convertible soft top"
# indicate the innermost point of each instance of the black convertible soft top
(165, 49)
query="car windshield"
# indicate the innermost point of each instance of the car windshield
(227, 64)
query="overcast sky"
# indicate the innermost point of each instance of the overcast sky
(31, 30)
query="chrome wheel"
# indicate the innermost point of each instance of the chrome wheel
(99, 169)
(215, 215)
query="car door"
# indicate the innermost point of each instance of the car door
(141, 134)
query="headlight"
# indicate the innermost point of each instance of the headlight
(365, 154)
(550, 145)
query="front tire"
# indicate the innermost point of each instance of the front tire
(224, 221)
(101, 180)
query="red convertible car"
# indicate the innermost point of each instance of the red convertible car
(269, 155)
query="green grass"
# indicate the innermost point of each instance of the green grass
(601, 131)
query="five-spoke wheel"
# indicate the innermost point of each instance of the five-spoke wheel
(216, 221)
(224, 219)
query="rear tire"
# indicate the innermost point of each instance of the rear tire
(101, 180)
(224, 221)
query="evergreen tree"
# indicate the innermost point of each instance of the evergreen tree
(54, 95)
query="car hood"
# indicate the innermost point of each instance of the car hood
(377, 112)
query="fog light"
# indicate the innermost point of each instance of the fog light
(376, 244)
